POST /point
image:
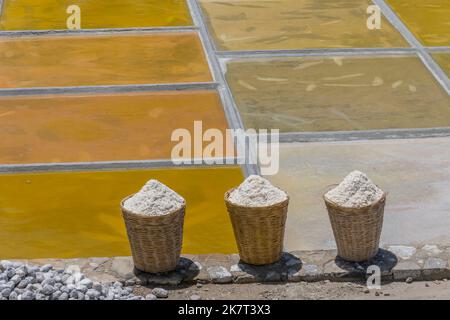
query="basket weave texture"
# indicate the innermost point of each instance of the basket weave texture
(357, 231)
(155, 241)
(259, 231)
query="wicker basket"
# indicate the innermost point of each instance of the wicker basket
(259, 231)
(155, 241)
(357, 231)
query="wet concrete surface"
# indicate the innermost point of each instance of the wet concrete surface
(414, 173)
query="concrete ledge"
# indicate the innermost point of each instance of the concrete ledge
(397, 263)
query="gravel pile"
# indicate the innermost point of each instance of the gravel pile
(355, 191)
(19, 281)
(154, 199)
(256, 191)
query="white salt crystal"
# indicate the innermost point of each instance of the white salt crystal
(154, 199)
(256, 191)
(355, 191)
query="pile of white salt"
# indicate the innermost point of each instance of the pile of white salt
(355, 191)
(256, 191)
(154, 199)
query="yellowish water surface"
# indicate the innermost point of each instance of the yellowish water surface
(102, 60)
(69, 215)
(296, 24)
(429, 20)
(51, 14)
(338, 93)
(80, 128)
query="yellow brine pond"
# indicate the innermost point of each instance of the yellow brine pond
(80, 60)
(296, 24)
(368, 92)
(429, 20)
(52, 14)
(102, 127)
(77, 214)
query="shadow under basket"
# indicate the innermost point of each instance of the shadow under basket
(357, 231)
(155, 241)
(259, 231)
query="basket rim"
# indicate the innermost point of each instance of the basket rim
(150, 217)
(227, 194)
(363, 208)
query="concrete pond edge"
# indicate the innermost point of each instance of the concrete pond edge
(395, 263)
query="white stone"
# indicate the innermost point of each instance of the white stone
(123, 266)
(72, 269)
(235, 268)
(48, 290)
(150, 297)
(91, 293)
(403, 252)
(86, 282)
(435, 263)
(431, 250)
(160, 292)
(46, 268)
(219, 274)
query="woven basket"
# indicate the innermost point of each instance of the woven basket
(259, 231)
(155, 241)
(357, 231)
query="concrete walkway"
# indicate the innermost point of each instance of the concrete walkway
(415, 173)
